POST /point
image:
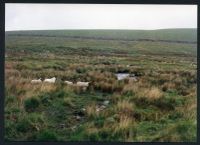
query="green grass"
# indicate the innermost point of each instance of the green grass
(162, 34)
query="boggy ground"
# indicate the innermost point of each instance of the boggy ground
(160, 106)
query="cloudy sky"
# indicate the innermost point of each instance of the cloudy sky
(99, 16)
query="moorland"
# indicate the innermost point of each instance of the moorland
(159, 104)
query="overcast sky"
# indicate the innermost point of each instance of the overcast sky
(99, 16)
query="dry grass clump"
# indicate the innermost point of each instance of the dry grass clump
(47, 87)
(99, 76)
(108, 86)
(168, 86)
(92, 130)
(104, 86)
(104, 81)
(12, 73)
(124, 128)
(79, 89)
(91, 110)
(124, 123)
(16, 85)
(116, 97)
(150, 94)
(154, 93)
(130, 88)
(189, 110)
(125, 108)
(177, 81)
(141, 90)
(193, 91)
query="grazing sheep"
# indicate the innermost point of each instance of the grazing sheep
(52, 80)
(68, 83)
(82, 84)
(36, 81)
(122, 76)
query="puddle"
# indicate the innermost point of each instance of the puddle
(121, 76)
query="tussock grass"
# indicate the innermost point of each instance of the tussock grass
(153, 93)
(125, 107)
(159, 106)
(68, 102)
(91, 110)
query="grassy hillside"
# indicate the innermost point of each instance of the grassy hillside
(158, 105)
(163, 34)
(77, 42)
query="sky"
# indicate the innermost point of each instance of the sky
(99, 16)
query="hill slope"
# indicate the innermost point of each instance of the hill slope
(188, 35)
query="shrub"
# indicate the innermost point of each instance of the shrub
(68, 102)
(99, 122)
(24, 125)
(164, 104)
(45, 99)
(104, 134)
(10, 99)
(81, 70)
(59, 93)
(30, 122)
(93, 136)
(46, 135)
(31, 104)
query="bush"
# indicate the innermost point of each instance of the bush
(45, 99)
(31, 104)
(59, 93)
(164, 104)
(10, 99)
(32, 121)
(99, 122)
(81, 70)
(46, 135)
(93, 137)
(24, 125)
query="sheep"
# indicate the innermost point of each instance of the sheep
(82, 84)
(68, 83)
(122, 76)
(52, 80)
(36, 81)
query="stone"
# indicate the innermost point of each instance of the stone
(106, 102)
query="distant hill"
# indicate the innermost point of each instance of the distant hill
(182, 35)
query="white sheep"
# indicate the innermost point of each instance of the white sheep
(68, 83)
(36, 81)
(52, 80)
(82, 84)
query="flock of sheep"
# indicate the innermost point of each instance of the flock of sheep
(120, 76)
(53, 80)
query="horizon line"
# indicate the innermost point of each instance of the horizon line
(98, 29)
